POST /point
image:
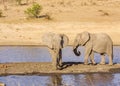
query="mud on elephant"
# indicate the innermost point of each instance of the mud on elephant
(98, 42)
(55, 43)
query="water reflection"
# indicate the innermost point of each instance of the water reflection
(102, 79)
(14, 80)
(55, 80)
(91, 80)
(63, 80)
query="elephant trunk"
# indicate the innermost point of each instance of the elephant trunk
(77, 53)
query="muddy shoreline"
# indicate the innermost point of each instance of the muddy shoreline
(45, 68)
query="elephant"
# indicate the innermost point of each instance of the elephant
(94, 42)
(55, 43)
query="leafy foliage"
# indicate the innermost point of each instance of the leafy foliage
(34, 11)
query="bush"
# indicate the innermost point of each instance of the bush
(0, 13)
(34, 11)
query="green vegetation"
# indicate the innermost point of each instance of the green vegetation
(34, 11)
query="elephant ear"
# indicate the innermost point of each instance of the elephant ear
(56, 42)
(64, 40)
(84, 37)
(47, 39)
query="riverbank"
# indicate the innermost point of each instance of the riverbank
(66, 16)
(30, 33)
(46, 68)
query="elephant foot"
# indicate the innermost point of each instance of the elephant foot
(94, 63)
(102, 63)
(85, 63)
(110, 64)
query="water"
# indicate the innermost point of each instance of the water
(63, 80)
(24, 54)
(41, 54)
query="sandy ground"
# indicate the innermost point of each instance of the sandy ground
(31, 33)
(67, 16)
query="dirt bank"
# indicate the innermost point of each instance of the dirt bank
(67, 16)
(46, 68)
(31, 33)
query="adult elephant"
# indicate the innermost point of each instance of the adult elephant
(55, 43)
(97, 42)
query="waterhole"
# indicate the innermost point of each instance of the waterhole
(13, 54)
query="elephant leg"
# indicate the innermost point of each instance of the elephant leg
(102, 59)
(54, 58)
(110, 59)
(92, 58)
(87, 53)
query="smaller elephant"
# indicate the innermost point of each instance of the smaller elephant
(97, 42)
(55, 43)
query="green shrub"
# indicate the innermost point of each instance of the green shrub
(0, 13)
(34, 11)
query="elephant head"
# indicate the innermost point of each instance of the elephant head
(55, 41)
(80, 40)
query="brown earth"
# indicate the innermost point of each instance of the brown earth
(46, 68)
(67, 16)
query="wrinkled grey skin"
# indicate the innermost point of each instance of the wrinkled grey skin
(55, 43)
(99, 42)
